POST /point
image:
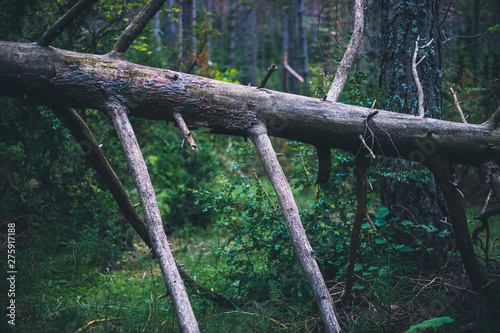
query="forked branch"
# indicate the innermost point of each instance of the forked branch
(414, 64)
(258, 135)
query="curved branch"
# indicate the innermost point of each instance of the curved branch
(345, 65)
(57, 28)
(135, 28)
(258, 135)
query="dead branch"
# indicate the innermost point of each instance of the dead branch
(345, 65)
(361, 213)
(457, 105)
(135, 28)
(258, 135)
(185, 131)
(72, 120)
(414, 64)
(57, 28)
(175, 285)
(266, 77)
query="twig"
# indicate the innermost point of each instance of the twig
(414, 64)
(368, 218)
(290, 69)
(252, 314)
(446, 266)
(57, 28)
(457, 105)
(266, 77)
(345, 65)
(185, 130)
(150, 311)
(137, 26)
(92, 322)
(372, 155)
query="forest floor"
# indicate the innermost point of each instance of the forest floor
(122, 296)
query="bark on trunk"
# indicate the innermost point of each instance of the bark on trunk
(402, 23)
(51, 76)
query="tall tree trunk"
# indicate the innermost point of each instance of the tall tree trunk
(402, 23)
(188, 18)
(233, 12)
(303, 64)
(477, 31)
(254, 46)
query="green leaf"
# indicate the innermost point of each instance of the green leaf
(431, 323)
(382, 212)
(380, 241)
(358, 267)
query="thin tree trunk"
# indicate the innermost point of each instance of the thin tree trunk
(254, 46)
(305, 253)
(456, 209)
(303, 66)
(233, 11)
(175, 285)
(361, 212)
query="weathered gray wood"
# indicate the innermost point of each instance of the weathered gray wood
(305, 253)
(55, 77)
(175, 285)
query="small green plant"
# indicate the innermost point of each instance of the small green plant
(431, 323)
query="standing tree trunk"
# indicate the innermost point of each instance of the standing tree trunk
(402, 23)
(303, 65)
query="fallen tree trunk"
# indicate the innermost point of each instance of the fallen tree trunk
(51, 77)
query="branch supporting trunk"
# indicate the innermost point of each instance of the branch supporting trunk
(94, 155)
(305, 253)
(175, 285)
(361, 213)
(456, 208)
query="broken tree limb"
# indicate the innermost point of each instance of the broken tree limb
(457, 105)
(324, 164)
(175, 285)
(50, 76)
(94, 155)
(305, 253)
(135, 28)
(344, 68)
(185, 130)
(57, 28)
(266, 77)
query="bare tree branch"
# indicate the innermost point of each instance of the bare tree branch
(185, 130)
(57, 28)
(136, 26)
(258, 135)
(414, 64)
(345, 65)
(457, 105)
(175, 285)
(94, 155)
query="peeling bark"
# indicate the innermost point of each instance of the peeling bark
(56, 77)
